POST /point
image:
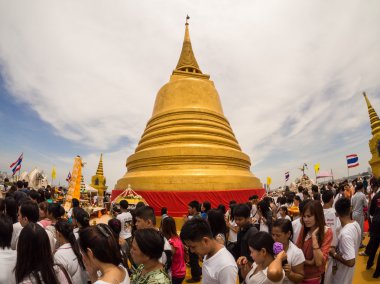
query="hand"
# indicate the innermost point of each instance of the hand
(287, 268)
(254, 220)
(185, 218)
(332, 251)
(282, 255)
(242, 260)
(315, 232)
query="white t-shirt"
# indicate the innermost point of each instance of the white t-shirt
(167, 246)
(126, 225)
(260, 277)
(232, 236)
(296, 224)
(254, 213)
(8, 258)
(125, 281)
(221, 268)
(348, 246)
(16, 233)
(17, 228)
(333, 222)
(287, 217)
(295, 257)
(67, 258)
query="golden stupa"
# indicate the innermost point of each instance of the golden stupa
(374, 142)
(98, 181)
(188, 144)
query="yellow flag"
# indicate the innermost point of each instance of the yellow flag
(53, 173)
(316, 168)
(269, 180)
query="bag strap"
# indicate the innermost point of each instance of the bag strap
(68, 278)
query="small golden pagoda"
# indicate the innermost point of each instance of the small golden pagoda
(374, 142)
(98, 181)
(188, 144)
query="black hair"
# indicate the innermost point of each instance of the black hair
(284, 208)
(34, 255)
(115, 226)
(262, 240)
(75, 202)
(81, 216)
(146, 213)
(302, 205)
(56, 210)
(264, 208)
(327, 195)
(206, 205)
(6, 230)
(164, 210)
(124, 204)
(34, 195)
(314, 188)
(254, 197)
(222, 208)
(195, 229)
(29, 209)
(150, 242)
(11, 208)
(317, 196)
(232, 212)
(297, 198)
(217, 223)
(169, 228)
(343, 207)
(300, 188)
(359, 186)
(100, 239)
(194, 204)
(242, 210)
(285, 225)
(20, 184)
(140, 204)
(232, 202)
(66, 230)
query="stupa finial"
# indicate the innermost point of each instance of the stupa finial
(187, 61)
(373, 117)
(99, 171)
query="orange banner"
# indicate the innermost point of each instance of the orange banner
(74, 187)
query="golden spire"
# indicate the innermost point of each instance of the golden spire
(187, 61)
(373, 117)
(99, 171)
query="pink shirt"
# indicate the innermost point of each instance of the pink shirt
(178, 264)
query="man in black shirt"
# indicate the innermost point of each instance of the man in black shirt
(246, 231)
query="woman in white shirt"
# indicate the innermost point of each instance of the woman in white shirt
(266, 269)
(101, 253)
(283, 213)
(282, 232)
(34, 259)
(68, 254)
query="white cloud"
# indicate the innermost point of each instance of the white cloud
(289, 73)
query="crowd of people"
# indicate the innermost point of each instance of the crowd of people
(310, 236)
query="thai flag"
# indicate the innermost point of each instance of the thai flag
(68, 179)
(352, 160)
(287, 176)
(17, 165)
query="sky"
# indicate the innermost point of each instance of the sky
(81, 77)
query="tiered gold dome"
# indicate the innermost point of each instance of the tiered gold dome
(374, 142)
(188, 144)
